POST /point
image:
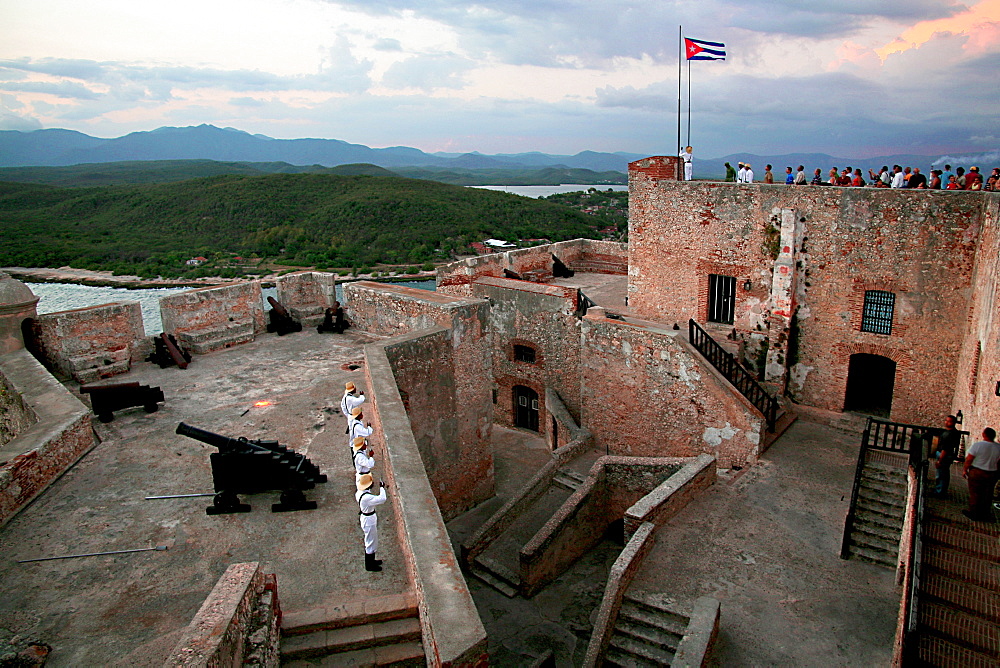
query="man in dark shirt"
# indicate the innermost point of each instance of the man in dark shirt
(917, 180)
(944, 454)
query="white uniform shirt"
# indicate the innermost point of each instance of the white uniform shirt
(686, 157)
(349, 402)
(355, 429)
(800, 178)
(748, 176)
(898, 180)
(362, 462)
(985, 455)
(367, 502)
(741, 176)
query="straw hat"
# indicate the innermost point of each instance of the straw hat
(350, 387)
(365, 481)
(358, 443)
(356, 411)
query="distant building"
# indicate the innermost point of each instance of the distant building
(195, 261)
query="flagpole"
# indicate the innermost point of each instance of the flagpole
(680, 53)
(689, 104)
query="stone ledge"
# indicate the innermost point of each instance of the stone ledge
(694, 649)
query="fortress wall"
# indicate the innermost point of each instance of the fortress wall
(540, 317)
(307, 294)
(579, 254)
(208, 319)
(976, 386)
(919, 245)
(444, 381)
(646, 393)
(59, 435)
(451, 630)
(92, 343)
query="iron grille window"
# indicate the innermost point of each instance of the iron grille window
(524, 354)
(877, 314)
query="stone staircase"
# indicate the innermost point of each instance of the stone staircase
(646, 633)
(959, 613)
(379, 631)
(568, 479)
(878, 515)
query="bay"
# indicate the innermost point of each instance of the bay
(544, 191)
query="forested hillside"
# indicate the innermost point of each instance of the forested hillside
(320, 220)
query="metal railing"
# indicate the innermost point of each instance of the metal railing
(910, 605)
(734, 372)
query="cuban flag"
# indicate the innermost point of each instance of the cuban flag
(698, 49)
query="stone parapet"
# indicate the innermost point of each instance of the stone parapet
(57, 437)
(238, 624)
(306, 295)
(210, 319)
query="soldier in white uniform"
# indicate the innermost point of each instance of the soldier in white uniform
(351, 400)
(367, 502)
(686, 156)
(362, 458)
(356, 428)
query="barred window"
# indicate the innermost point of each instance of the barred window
(524, 354)
(877, 314)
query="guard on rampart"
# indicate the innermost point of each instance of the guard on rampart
(367, 502)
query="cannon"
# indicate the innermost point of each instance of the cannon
(333, 320)
(559, 269)
(280, 320)
(167, 352)
(106, 399)
(242, 466)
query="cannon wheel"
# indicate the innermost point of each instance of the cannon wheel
(151, 408)
(105, 417)
(226, 502)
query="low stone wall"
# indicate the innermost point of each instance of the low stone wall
(15, 417)
(208, 319)
(92, 343)
(670, 497)
(451, 630)
(534, 263)
(614, 485)
(307, 295)
(695, 648)
(622, 572)
(42, 451)
(238, 624)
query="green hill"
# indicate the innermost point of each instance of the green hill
(321, 220)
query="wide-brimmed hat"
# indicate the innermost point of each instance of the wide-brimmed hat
(356, 411)
(350, 387)
(358, 443)
(365, 481)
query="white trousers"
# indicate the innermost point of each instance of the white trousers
(687, 171)
(369, 524)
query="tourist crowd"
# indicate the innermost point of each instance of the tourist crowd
(897, 177)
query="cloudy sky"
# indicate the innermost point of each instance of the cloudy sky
(846, 77)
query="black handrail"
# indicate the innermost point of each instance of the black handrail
(734, 372)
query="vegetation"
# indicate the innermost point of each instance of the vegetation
(548, 176)
(315, 220)
(608, 208)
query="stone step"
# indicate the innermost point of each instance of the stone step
(400, 655)
(496, 575)
(567, 479)
(957, 593)
(873, 555)
(338, 613)
(882, 505)
(664, 620)
(878, 526)
(888, 488)
(640, 650)
(880, 471)
(961, 538)
(960, 566)
(647, 633)
(332, 641)
(867, 539)
(616, 657)
(936, 651)
(956, 626)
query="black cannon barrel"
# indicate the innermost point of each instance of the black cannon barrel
(223, 443)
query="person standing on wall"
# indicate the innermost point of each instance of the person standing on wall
(730, 173)
(980, 469)
(356, 428)
(367, 502)
(686, 156)
(944, 454)
(352, 399)
(362, 458)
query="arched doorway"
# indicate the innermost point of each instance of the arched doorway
(525, 408)
(870, 380)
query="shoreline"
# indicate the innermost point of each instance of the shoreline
(105, 279)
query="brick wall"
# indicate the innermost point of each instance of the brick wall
(919, 245)
(579, 254)
(658, 168)
(210, 319)
(238, 624)
(307, 295)
(443, 379)
(646, 393)
(92, 343)
(42, 451)
(15, 417)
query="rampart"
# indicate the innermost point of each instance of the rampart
(210, 319)
(920, 246)
(307, 294)
(88, 344)
(237, 625)
(440, 379)
(534, 263)
(53, 432)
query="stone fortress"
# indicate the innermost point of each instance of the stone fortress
(830, 300)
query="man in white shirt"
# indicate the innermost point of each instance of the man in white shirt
(898, 178)
(686, 156)
(800, 176)
(748, 174)
(356, 427)
(980, 469)
(351, 400)
(741, 173)
(363, 460)
(367, 502)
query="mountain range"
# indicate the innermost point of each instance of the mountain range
(57, 147)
